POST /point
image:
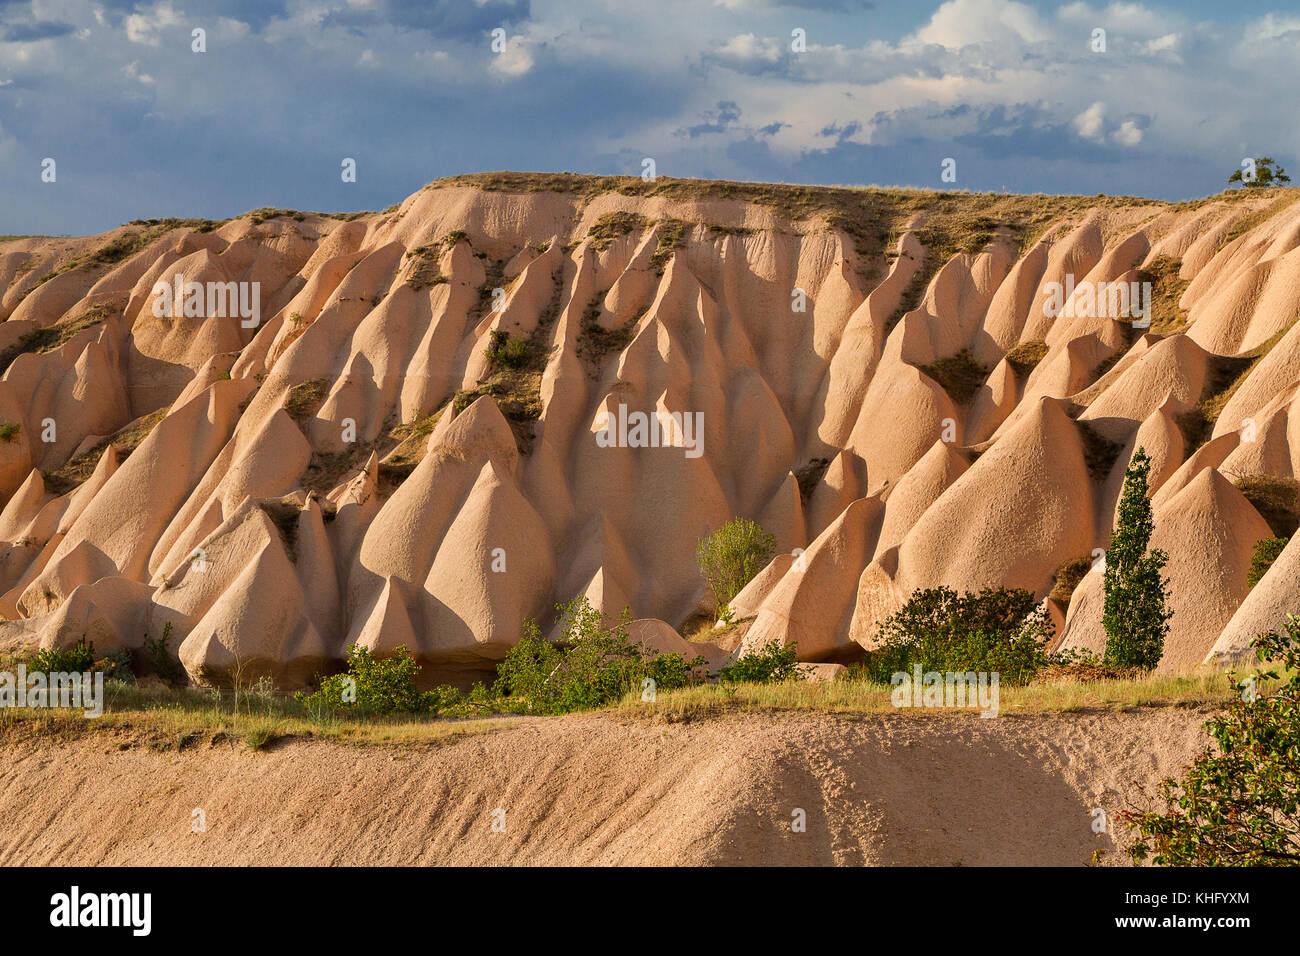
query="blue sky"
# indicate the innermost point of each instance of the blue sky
(140, 126)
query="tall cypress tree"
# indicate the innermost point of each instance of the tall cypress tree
(1136, 613)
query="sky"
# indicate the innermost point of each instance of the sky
(839, 92)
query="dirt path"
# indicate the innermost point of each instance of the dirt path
(604, 790)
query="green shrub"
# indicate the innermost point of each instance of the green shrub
(1068, 577)
(159, 660)
(373, 685)
(79, 658)
(7, 431)
(731, 556)
(996, 629)
(1239, 806)
(1136, 611)
(1266, 552)
(116, 666)
(770, 665)
(506, 352)
(592, 665)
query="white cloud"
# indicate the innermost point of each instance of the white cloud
(1091, 123)
(1273, 26)
(132, 70)
(1128, 134)
(960, 23)
(1160, 44)
(514, 61)
(144, 27)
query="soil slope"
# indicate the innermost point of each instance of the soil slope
(954, 790)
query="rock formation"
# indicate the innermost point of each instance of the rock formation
(395, 428)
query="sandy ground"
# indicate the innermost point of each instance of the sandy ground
(601, 789)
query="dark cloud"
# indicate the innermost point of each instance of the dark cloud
(840, 133)
(256, 13)
(30, 32)
(819, 6)
(715, 121)
(452, 19)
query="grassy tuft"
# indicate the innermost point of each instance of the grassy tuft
(1025, 357)
(1277, 500)
(959, 375)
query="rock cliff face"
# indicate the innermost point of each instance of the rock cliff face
(425, 425)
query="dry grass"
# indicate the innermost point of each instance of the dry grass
(118, 249)
(595, 342)
(425, 261)
(76, 470)
(1252, 219)
(412, 439)
(1224, 376)
(167, 719)
(959, 375)
(871, 216)
(672, 236)
(1199, 689)
(304, 400)
(1068, 577)
(1099, 452)
(51, 337)
(1025, 357)
(1166, 289)
(614, 225)
(150, 714)
(176, 729)
(1277, 499)
(518, 394)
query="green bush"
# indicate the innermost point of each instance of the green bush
(1266, 552)
(731, 556)
(592, 665)
(506, 352)
(79, 658)
(1237, 804)
(8, 430)
(159, 660)
(373, 685)
(770, 665)
(116, 666)
(996, 629)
